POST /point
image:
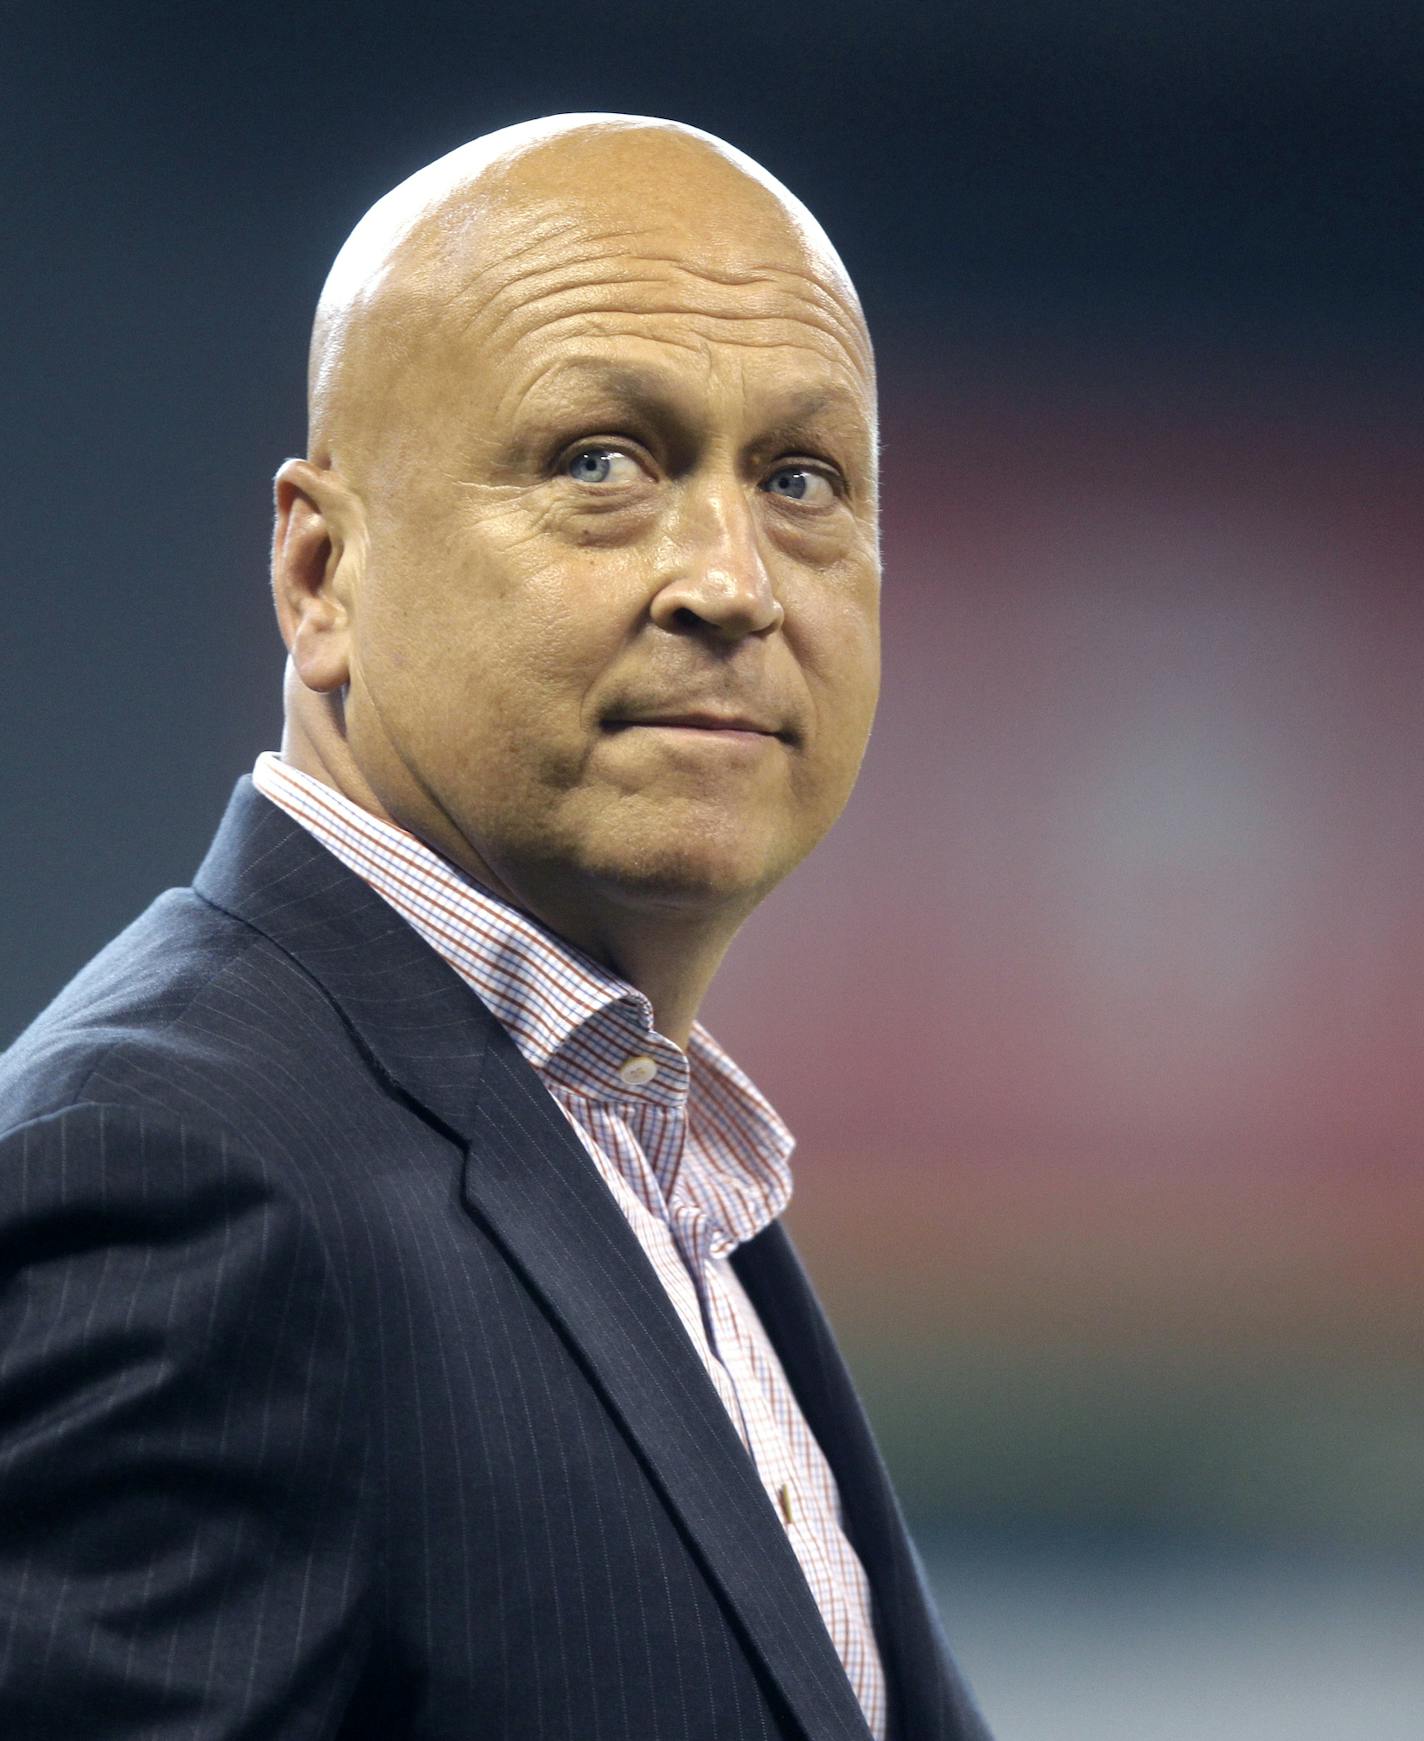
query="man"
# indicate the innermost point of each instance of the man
(399, 1339)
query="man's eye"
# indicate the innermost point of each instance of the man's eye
(603, 465)
(799, 483)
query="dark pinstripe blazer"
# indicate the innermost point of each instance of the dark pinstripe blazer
(338, 1399)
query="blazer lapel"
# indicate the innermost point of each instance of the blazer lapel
(422, 1029)
(529, 1181)
(928, 1699)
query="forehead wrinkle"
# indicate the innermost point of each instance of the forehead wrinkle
(634, 380)
(799, 287)
(512, 298)
(552, 229)
(465, 279)
(715, 319)
(547, 232)
(760, 331)
(633, 245)
(719, 275)
(520, 291)
(775, 274)
(596, 271)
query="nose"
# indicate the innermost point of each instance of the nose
(717, 579)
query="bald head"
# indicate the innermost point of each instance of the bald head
(517, 216)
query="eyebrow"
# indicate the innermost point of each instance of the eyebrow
(797, 419)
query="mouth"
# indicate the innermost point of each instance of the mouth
(728, 725)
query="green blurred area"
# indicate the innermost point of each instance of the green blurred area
(1183, 1444)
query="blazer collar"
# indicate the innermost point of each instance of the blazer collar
(422, 1028)
(527, 1178)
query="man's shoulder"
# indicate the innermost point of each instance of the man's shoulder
(185, 1009)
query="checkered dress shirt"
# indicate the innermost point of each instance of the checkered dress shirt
(693, 1154)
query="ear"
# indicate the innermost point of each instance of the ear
(318, 548)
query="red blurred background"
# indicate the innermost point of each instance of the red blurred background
(1101, 1016)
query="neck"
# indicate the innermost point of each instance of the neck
(671, 957)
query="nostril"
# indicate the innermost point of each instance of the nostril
(717, 601)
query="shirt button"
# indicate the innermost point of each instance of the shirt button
(637, 1071)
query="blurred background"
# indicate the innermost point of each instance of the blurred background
(1100, 1017)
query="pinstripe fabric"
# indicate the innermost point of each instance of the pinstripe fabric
(337, 1398)
(694, 1157)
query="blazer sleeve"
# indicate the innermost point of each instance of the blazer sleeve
(181, 1546)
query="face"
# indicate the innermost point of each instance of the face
(614, 634)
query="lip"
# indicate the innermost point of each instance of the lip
(728, 724)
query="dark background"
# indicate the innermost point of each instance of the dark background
(1100, 1017)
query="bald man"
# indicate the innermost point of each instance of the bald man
(399, 1338)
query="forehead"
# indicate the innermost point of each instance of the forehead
(525, 305)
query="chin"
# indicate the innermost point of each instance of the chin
(689, 873)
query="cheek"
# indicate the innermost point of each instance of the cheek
(569, 620)
(845, 685)
(495, 679)
(441, 610)
(845, 667)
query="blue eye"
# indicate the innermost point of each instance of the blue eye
(798, 483)
(602, 465)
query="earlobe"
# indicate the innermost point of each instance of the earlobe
(316, 550)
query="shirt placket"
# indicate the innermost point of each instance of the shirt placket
(656, 1131)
